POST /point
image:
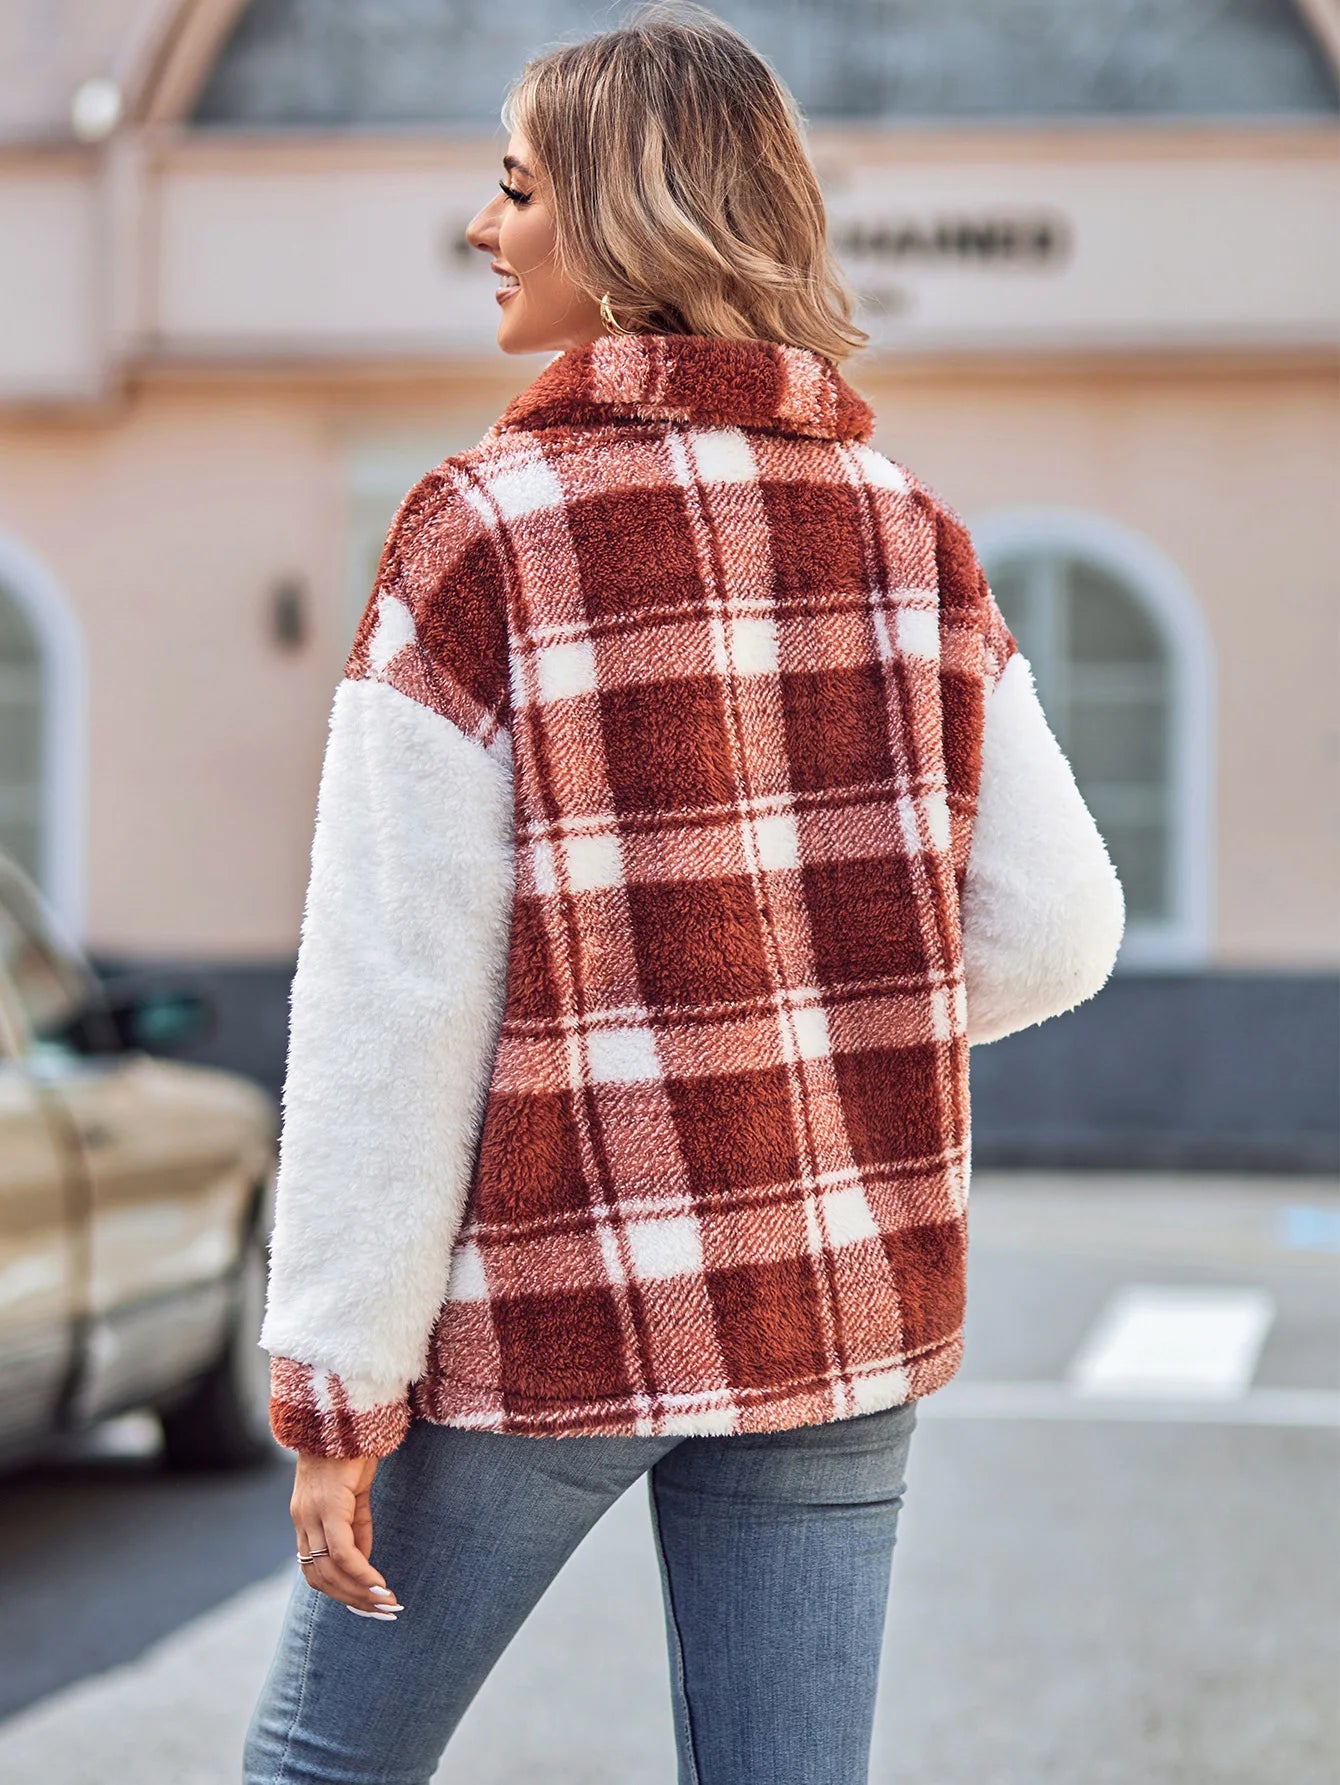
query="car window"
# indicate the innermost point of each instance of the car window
(51, 987)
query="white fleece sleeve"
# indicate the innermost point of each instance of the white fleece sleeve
(1043, 910)
(396, 1005)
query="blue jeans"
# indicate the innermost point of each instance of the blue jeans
(775, 1552)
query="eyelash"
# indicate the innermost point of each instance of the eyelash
(517, 198)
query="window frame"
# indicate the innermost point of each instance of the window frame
(1182, 939)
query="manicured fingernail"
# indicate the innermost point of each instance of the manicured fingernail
(384, 1617)
(381, 1592)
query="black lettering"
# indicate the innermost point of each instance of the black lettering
(963, 240)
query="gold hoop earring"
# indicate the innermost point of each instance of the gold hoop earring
(607, 317)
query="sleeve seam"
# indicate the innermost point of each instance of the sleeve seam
(433, 496)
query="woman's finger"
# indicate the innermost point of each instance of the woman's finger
(363, 1523)
(306, 1530)
(331, 1580)
(302, 1532)
(310, 1539)
(331, 1510)
(346, 1575)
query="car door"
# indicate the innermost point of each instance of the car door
(168, 1198)
(41, 1243)
(169, 1156)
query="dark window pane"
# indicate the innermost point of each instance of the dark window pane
(21, 841)
(1011, 582)
(1106, 624)
(1140, 855)
(1124, 741)
(20, 738)
(18, 644)
(1104, 679)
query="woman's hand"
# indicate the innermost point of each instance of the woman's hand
(331, 1509)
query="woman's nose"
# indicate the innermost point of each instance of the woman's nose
(482, 230)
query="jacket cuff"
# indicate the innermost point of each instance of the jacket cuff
(318, 1413)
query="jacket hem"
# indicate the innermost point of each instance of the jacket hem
(442, 1400)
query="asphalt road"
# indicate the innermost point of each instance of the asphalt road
(1118, 1562)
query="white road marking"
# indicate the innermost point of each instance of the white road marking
(1189, 1342)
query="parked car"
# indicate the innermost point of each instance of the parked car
(136, 1201)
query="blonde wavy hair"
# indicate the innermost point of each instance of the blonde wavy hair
(681, 183)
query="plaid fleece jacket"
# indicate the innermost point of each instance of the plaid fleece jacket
(687, 810)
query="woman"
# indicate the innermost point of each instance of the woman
(687, 811)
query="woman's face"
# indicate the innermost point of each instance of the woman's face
(541, 309)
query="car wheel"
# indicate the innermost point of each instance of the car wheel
(225, 1421)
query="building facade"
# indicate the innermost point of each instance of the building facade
(1094, 246)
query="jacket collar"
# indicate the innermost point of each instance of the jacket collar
(695, 378)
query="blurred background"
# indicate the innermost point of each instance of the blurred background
(1095, 243)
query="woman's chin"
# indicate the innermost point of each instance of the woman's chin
(520, 334)
(513, 335)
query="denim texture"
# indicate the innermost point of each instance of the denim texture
(774, 1549)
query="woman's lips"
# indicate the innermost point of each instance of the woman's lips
(505, 291)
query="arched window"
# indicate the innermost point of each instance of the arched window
(43, 718)
(1121, 661)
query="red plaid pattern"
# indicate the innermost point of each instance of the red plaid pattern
(722, 1174)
